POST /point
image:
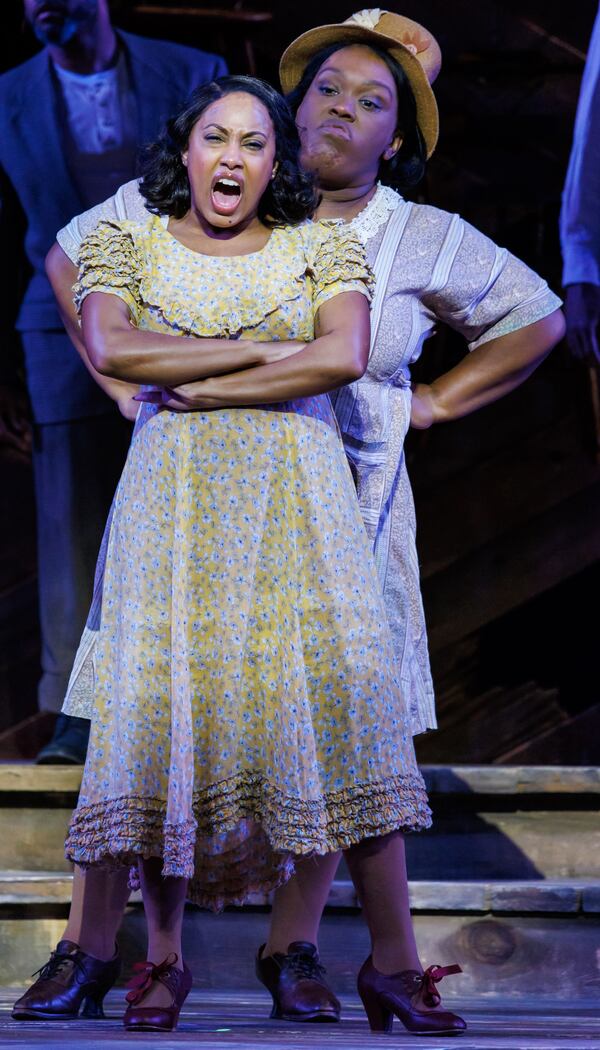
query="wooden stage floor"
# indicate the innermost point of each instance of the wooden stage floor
(239, 1023)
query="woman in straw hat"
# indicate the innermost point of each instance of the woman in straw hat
(368, 122)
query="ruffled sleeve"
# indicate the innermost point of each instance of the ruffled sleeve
(338, 263)
(109, 261)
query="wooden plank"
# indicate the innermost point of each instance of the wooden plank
(509, 780)
(26, 777)
(443, 779)
(526, 561)
(213, 1019)
(502, 492)
(228, 16)
(531, 896)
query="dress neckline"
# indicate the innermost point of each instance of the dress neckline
(164, 226)
(376, 213)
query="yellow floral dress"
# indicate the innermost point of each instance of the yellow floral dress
(237, 661)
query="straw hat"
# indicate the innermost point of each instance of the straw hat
(413, 47)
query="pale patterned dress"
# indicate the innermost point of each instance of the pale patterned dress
(444, 271)
(246, 706)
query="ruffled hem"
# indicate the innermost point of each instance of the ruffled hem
(244, 833)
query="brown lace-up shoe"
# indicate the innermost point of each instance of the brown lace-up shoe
(69, 982)
(297, 984)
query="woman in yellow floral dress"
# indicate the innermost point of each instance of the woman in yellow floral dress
(246, 710)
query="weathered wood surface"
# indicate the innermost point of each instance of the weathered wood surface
(549, 954)
(24, 776)
(454, 779)
(238, 1022)
(511, 896)
(512, 780)
(521, 564)
(501, 493)
(490, 823)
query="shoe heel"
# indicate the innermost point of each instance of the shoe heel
(275, 1014)
(380, 1018)
(92, 1008)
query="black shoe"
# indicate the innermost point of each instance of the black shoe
(68, 746)
(297, 984)
(69, 982)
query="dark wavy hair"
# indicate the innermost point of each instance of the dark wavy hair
(290, 196)
(407, 167)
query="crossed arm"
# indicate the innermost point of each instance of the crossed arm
(120, 356)
(212, 373)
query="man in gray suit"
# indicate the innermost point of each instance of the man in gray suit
(72, 119)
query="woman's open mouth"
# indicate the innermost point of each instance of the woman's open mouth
(226, 194)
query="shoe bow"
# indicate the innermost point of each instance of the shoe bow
(431, 977)
(145, 973)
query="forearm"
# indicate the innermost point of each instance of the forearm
(116, 389)
(118, 350)
(260, 371)
(323, 365)
(164, 360)
(494, 369)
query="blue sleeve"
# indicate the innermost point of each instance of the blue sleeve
(580, 212)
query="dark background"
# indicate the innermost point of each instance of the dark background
(508, 499)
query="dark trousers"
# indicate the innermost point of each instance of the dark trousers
(77, 465)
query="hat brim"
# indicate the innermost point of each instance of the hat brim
(296, 57)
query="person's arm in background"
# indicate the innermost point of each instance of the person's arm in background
(61, 267)
(580, 215)
(62, 273)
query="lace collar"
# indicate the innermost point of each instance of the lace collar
(377, 212)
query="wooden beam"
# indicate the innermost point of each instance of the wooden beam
(501, 493)
(528, 560)
(214, 14)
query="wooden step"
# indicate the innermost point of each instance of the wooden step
(556, 896)
(29, 779)
(516, 938)
(490, 822)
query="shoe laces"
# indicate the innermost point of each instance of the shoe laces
(55, 964)
(304, 965)
(428, 980)
(145, 974)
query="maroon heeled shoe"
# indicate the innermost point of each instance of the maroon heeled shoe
(384, 995)
(139, 1018)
